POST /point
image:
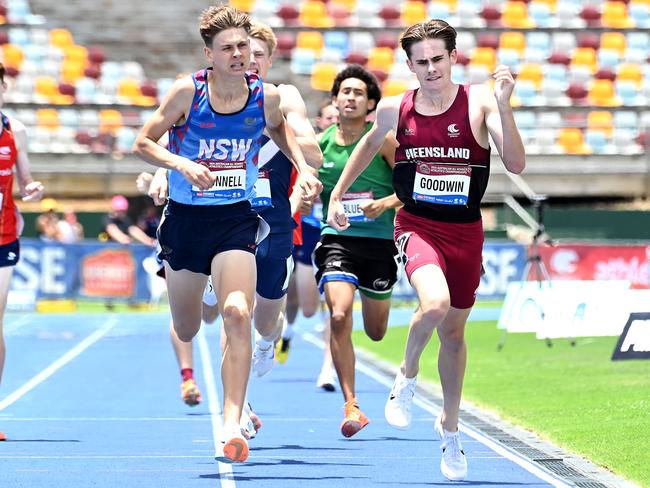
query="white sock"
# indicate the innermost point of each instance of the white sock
(287, 333)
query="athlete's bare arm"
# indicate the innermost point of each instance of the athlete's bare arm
(374, 208)
(173, 110)
(282, 135)
(370, 143)
(500, 120)
(30, 190)
(294, 110)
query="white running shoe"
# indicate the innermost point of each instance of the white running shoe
(209, 295)
(398, 405)
(453, 463)
(263, 359)
(327, 379)
(250, 423)
(233, 448)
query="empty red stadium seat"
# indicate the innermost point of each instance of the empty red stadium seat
(487, 40)
(92, 71)
(589, 39)
(560, 58)
(591, 15)
(491, 15)
(385, 39)
(286, 42)
(356, 57)
(96, 55)
(390, 15)
(577, 92)
(289, 14)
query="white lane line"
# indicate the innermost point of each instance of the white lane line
(17, 324)
(225, 470)
(500, 449)
(15, 395)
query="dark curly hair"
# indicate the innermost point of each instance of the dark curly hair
(359, 72)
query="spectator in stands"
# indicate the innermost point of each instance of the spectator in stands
(47, 223)
(119, 228)
(70, 229)
(13, 158)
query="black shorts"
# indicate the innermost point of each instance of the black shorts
(369, 263)
(9, 254)
(310, 237)
(190, 236)
(274, 265)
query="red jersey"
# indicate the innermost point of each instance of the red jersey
(8, 153)
(441, 172)
(297, 231)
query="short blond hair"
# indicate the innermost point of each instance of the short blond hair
(218, 18)
(265, 34)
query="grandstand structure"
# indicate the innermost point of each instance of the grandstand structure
(582, 93)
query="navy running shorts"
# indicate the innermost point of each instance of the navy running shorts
(9, 254)
(310, 237)
(190, 236)
(274, 265)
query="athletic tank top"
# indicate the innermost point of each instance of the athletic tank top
(441, 172)
(372, 184)
(228, 144)
(272, 189)
(8, 153)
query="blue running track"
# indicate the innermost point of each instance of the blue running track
(94, 401)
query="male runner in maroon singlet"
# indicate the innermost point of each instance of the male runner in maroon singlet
(441, 173)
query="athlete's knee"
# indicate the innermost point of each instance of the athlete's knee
(338, 319)
(434, 311)
(236, 313)
(309, 310)
(452, 337)
(185, 332)
(376, 334)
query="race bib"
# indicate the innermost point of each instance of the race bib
(442, 184)
(230, 180)
(352, 205)
(317, 209)
(262, 189)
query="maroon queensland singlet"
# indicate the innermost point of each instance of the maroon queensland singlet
(440, 175)
(441, 172)
(8, 230)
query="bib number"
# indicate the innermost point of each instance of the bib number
(352, 203)
(230, 180)
(262, 190)
(441, 184)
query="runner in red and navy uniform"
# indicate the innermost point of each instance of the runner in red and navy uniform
(215, 120)
(441, 172)
(13, 157)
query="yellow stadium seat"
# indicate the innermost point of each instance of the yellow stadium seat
(602, 94)
(413, 12)
(601, 120)
(312, 40)
(572, 141)
(630, 72)
(46, 86)
(380, 58)
(614, 41)
(243, 5)
(485, 56)
(513, 40)
(322, 76)
(314, 14)
(72, 70)
(614, 14)
(515, 15)
(61, 38)
(351, 5)
(585, 56)
(110, 120)
(452, 5)
(76, 52)
(12, 55)
(533, 73)
(128, 88)
(47, 118)
(394, 87)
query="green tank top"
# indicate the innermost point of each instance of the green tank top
(375, 182)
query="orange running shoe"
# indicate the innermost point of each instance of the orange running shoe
(233, 448)
(354, 419)
(3, 437)
(190, 392)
